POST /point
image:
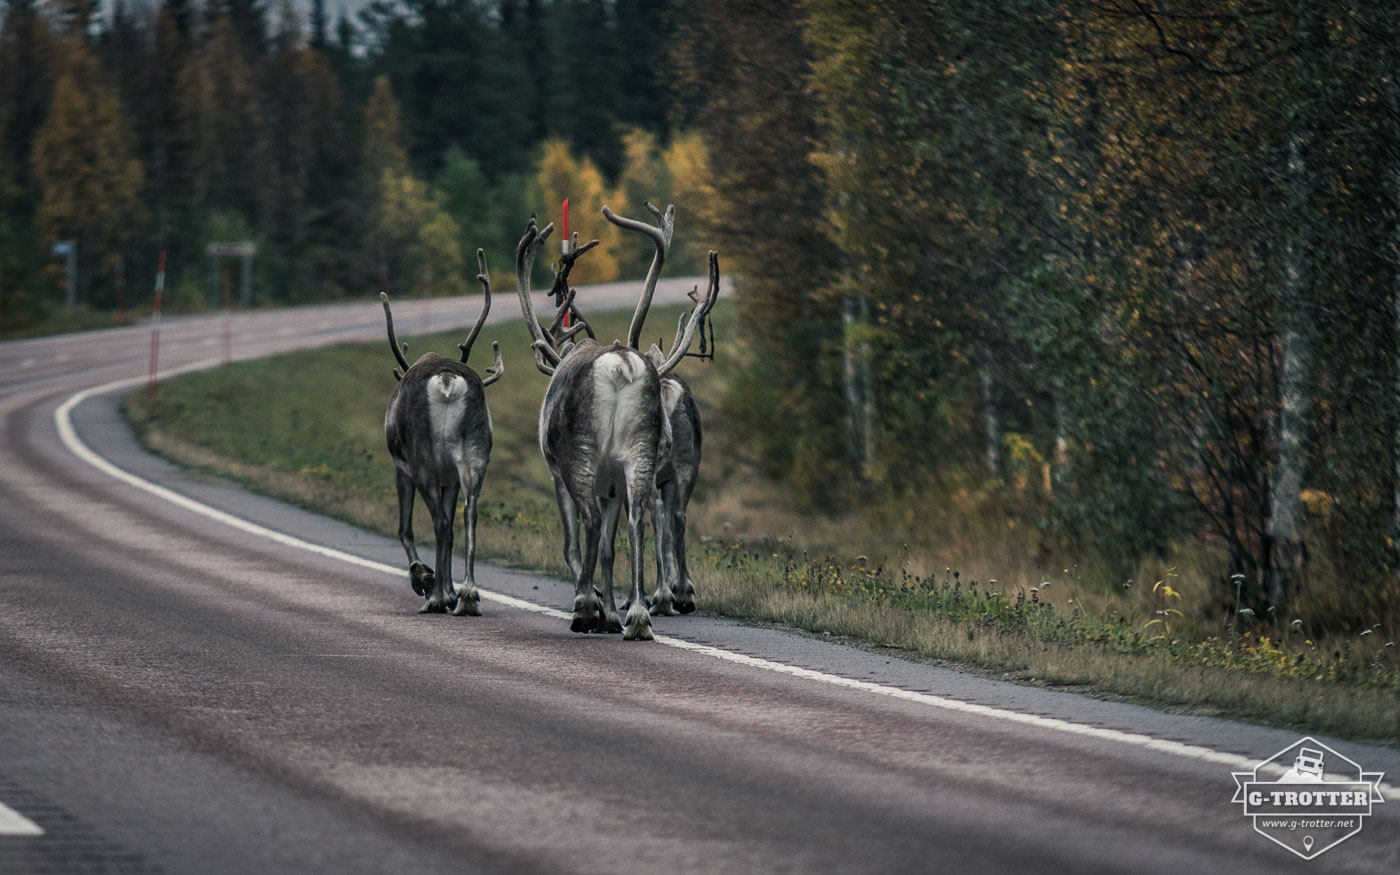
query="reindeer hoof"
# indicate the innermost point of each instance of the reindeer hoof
(585, 617)
(608, 624)
(638, 625)
(468, 604)
(421, 578)
(662, 604)
(685, 602)
(433, 606)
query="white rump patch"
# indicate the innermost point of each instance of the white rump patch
(446, 406)
(618, 369)
(618, 394)
(446, 388)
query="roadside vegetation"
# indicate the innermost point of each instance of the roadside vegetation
(962, 575)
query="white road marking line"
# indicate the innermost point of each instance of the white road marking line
(63, 420)
(12, 823)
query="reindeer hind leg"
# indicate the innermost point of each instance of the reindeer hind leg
(587, 604)
(608, 620)
(637, 626)
(420, 576)
(443, 503)
(662, 601)
(576, 515)
(468, 597)
(685, 587)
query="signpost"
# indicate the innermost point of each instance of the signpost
(227, 332)
(69, 250)
(239, 249)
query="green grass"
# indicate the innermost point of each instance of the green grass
(308, 428)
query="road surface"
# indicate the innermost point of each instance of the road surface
(195, 679)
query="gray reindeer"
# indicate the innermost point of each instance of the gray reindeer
(678, 471)
(439, 435)
(604, 434)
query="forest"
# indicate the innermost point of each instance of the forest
(1126, 273)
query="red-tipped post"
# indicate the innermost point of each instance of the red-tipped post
(565, 245)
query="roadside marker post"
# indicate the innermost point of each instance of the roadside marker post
(155, 326)
(564, 245)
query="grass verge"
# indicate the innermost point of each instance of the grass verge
(308, 428)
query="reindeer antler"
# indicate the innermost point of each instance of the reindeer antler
(685, 331)
(485, 278)
(399, 349)
(564, 298)
(497, 368)
(545, 356)
(660, 235)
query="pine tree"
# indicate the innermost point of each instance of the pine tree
(320, 24)
(384, 136)
(87, 176)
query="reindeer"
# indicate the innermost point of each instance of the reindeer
(439, 435)
(604, 433)
(676, 475)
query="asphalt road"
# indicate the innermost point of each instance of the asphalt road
(187, 692)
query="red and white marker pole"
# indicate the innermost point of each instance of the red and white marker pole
(155, 327)
(565, 246)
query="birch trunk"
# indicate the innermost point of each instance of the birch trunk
(860, 395)
(1286, 555)
(1394, 219)
(1059, 461)
(1395, 411)
(991, 422)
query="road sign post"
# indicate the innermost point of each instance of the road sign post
(243, 250)
(69, 250)
(227, 328)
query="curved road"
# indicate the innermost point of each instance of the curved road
(194, 679)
